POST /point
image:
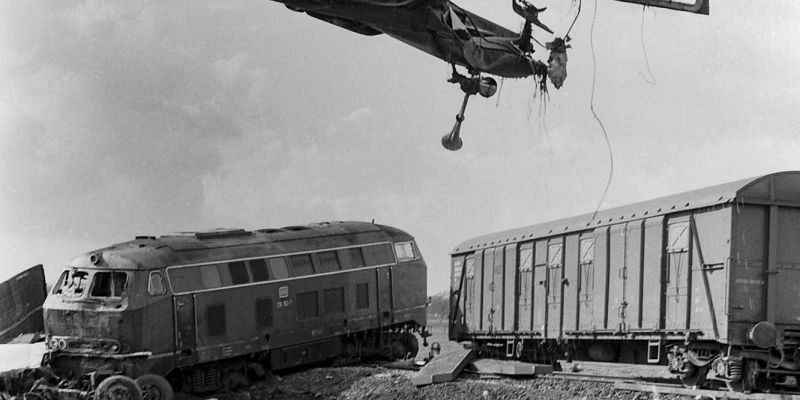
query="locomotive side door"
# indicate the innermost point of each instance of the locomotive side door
(185, 339)
(384, 284)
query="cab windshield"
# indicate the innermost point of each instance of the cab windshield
(77, 283)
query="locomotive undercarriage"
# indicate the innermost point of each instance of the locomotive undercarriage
(394, 342)
(110, 372)
(742, 369)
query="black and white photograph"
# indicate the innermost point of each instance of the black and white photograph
(399, 199)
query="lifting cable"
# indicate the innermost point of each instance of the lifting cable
(651, 79)
(594, 113)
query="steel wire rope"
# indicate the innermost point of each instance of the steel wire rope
(652, 79)
(597, 118)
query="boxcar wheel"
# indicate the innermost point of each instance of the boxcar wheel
(118, 387)
(694, 377)
(155, 387)
(751, 379)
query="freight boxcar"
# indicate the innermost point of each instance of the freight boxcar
(206, 309)
(705, 281)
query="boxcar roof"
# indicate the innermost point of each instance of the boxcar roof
(783, 186)
(228, 244)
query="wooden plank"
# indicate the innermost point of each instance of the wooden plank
(444, 368)
(677, 390)
(509, 367)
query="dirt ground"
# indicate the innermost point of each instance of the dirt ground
(376, 382)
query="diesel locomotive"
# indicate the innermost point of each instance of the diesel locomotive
(198, 311)
(705, 282)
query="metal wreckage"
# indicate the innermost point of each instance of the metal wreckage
(459, 37)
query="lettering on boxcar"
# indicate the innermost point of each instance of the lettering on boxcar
(742, 281)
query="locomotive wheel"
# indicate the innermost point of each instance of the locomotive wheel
(694, 377)
(118, 387)
(234, 381)
(410, 344)
(155, 387)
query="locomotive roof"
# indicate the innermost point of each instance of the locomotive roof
(780, 186)
(195, 247)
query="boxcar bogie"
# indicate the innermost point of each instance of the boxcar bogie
(213, 309)
(697, 281)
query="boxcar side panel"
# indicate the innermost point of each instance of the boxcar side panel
(586, 282)
(488, 288)
(570, 287)
(477, 293)
(601, 278)
(788, 264)
(652, 275)
(677, 285)
(748, 264)
(633, 274)
(616, 284)
(526, 287)
(510, 289)
(710, 234)
(540, 286)
(497, 290)
(555, 286)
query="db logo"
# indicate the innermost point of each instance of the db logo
(283, 292)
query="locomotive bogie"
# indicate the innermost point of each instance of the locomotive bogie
(697, 280)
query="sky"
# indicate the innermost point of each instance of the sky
(124, 118)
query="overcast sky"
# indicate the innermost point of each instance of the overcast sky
(123, 118)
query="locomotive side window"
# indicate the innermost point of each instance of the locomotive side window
(380, 254)
(258, 268)
(238, 272)
(357, 257)
(215, 318)
(155, 285)
(405, 251)
(109, 284)
(333, 301)
(209, 274)
(307, 305)
(185, 279)
(344, 258)
(278, 268)
(328, 261)
(362, 296)
(301, 265)
(264, 312)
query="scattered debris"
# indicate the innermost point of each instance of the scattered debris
(487, 366)
(444, 368)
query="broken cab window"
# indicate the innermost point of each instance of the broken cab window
(155, 286)
(73, 283)
(109, 284)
